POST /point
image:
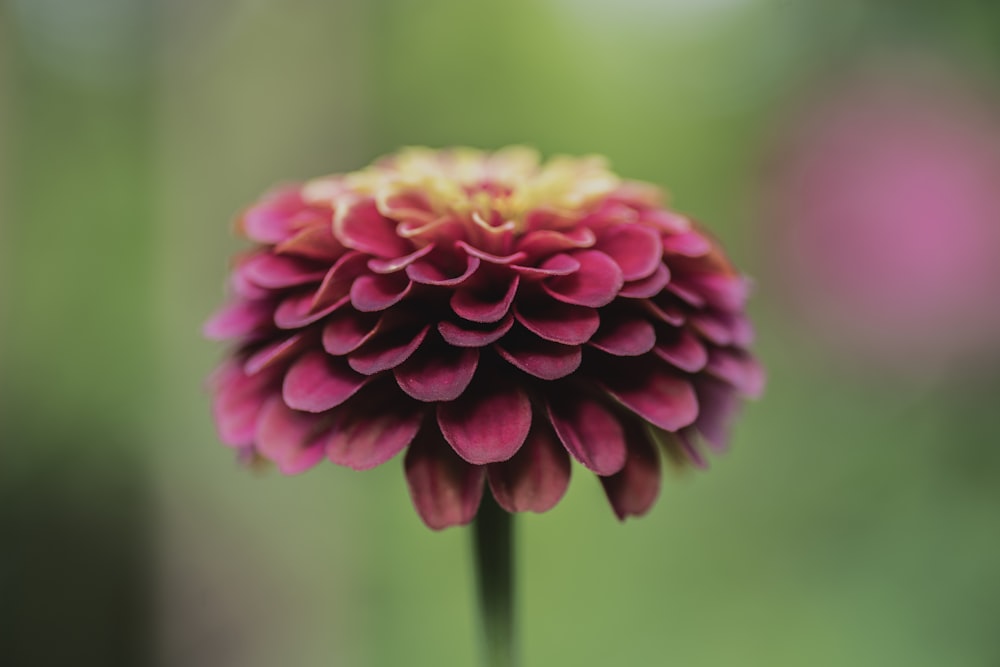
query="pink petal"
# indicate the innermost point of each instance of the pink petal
(666, 310)
(723, 328)
(681, 348)
(535, 478)
(655, 394)
(541, 358)
(239, 319)
(595, 284)
(372, 429)
(317, 382)
(500, 260)
(558, 322)
(278, 271)
(719, 405)
(589, 431)
(546, 242)
(624, 334)
(377, 292)
(270, 220)
(437, 371)
(360, 226)
(314, 242)
(686, 294)
(287, 437)
(488, 423)
(648, 286)
(465, 334)
(557, 265)
(337, 281)
(387, 349)
(239, 399)
(347, 329)
(738, 369)
(634, 489)
(727, 292)
(398, 263)
(688, 243)
(485, 301)
(445, 489)
(427, 273)
(296, 311)
(275, 353)
(635, 249)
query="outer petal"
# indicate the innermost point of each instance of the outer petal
(624, 334)
(472, 335)
(596, 283)
(719, 405)
(239, 399)
(681, 348)
(274, 354)
(360, 226)
(376, 292)
(558, 322)
(649, 286)
(387, 349)
(287, 437)
(633, 490)
(588, 430)
(488, 423)
(445, 489)
(538, 357)
(238, 319)
(655, 394)
(279, 271)
(372, 428)
(485, 301)
(535, 478)
(437, 371)
(738, 369)
(347, 329)
(635, 248)
(317, 382)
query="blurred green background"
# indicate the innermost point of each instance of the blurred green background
(853, 523)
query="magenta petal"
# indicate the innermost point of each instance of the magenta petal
(274, 353)
(689, 243)
(317, 382)
(287, 437)
(347, 329)
(296, 311)
(738, 369)
(546, 242)
(636, 249)
(485, 302)
(488, 423)
(360, 226)
(278, 271)
(681, 348)
(596, 283)
(270, 220)
(535, 478)
(589, 431)
(398, 263)
(314, 242)
(428, 273)
(557, 265)
(238, 319)
(470, 335)
(437, 371)
(387, 349)
(624, 335)
(445, 490)
(719, 405)
(658, 396)
(377, 292)
(372, 429)
(538, 357)
(633, 490)
(501, 260)
(648, 286)
(558, 322)
(337, 281)
(238, 401)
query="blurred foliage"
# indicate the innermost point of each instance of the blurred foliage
(852, 524)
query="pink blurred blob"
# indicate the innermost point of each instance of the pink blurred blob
(884, 200)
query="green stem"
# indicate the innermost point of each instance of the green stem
(493, 533)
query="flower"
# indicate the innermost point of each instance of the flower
(493, 316)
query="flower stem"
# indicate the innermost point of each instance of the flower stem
(493, 533)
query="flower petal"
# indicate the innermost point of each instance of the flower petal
(240, 318)
(485, 301)
(387, 349)
(648, 286)
(658, 396)
(398, 263)
(488, 423)
(437, 371)
(274, 353)
(238, 401)
(633, 490)
(372, 428)
(287, 437)
(545, 242)
(317, 382)
(636, 249)
(719, 405)
(688, 243)
(466, 334)
(738, 369)
(681, 348)
(278, 271)
(558, 322)
(297, 311)
(596, 283)
(589, 431)
(347, 329)
(624, 334)
(557, 265)
(445, 490)
(271, 219)
(314, 242)
(360, 226)
(428, 273)
(376, 292)
(538, 357)
(535, 478)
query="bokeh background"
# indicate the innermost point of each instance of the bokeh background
(847, 153)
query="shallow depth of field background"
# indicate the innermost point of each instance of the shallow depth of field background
(853, 523)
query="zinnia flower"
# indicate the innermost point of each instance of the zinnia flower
(493, 316)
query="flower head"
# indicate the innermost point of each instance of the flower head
(492, 315)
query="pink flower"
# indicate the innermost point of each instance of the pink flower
(492, 316)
